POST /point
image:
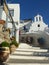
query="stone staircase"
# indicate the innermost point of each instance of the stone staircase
(28, 55)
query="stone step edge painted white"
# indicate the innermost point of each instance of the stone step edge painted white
(33, 48)
(37, 50)
(24, 53)
(28, 57)
(30, 48)
(29, 53)
(27, 64)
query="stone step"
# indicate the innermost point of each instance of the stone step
(24, 45)
(27, 61)
(32, 50)
(31, 53)
(27, 64)
(28, 57)
(22, 52)
(31, 47)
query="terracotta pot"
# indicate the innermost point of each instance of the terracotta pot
(12, 48)
(4, 53)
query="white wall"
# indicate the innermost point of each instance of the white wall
(38, 20)
(16, 17)
(16, 8)
(34, 26)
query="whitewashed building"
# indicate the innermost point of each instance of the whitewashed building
(15, 12)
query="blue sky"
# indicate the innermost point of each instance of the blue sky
(30, 8)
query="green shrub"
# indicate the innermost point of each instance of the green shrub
(5, 44)
(14, 43)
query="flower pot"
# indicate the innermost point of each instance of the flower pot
(4, 54)
(12, 48)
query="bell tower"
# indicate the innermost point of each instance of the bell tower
(38, 18)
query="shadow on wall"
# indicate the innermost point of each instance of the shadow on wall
(41, 41)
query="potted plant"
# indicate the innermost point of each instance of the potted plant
(13, 46)
(4, 51)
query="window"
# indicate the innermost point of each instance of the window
(38, 25)
(12, 12)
